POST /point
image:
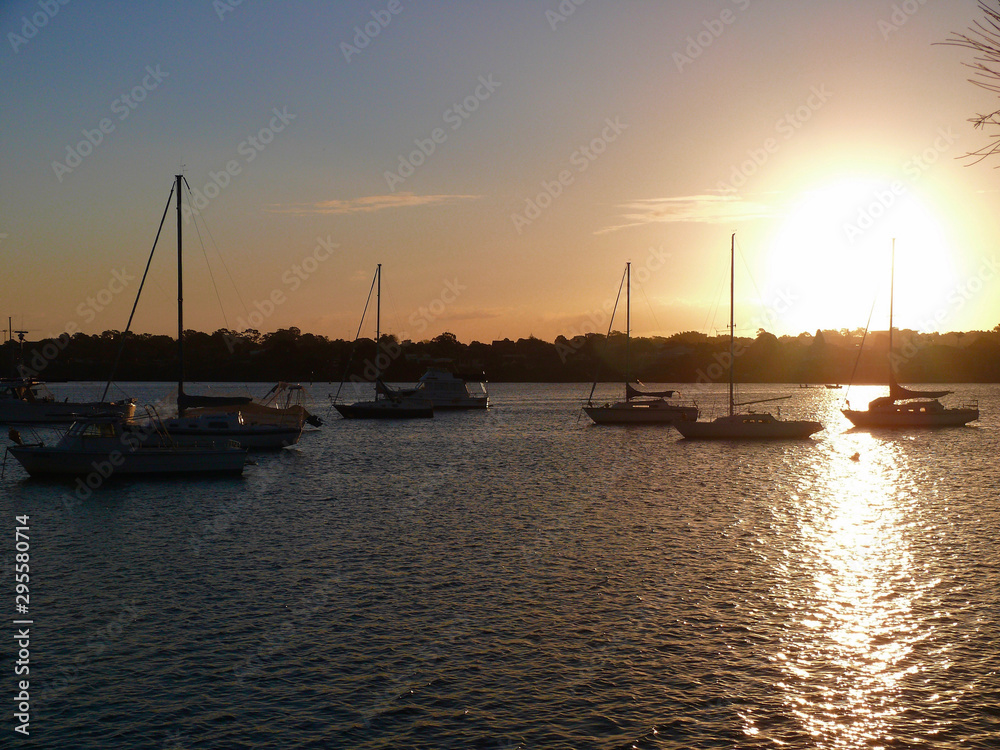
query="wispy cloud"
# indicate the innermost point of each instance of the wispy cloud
(707, 209)
(370, 203)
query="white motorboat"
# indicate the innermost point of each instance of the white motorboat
(639, 407)
(28, 401)
(446, 390)
(752, 425)
(106, 446)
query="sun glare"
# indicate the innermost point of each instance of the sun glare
(831, 259)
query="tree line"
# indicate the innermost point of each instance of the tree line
(290, 355)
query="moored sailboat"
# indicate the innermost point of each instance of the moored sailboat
(392, 404)
(221, 417)
(905, 407)
(750, 425)
(638, 407)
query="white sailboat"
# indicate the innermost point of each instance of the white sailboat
(904, 407)
(392, 404)
(639, 407)
(221, 417)
(751, 425)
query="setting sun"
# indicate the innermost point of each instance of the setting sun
(832, 257)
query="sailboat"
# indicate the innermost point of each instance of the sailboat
(904, 407)
(752, 425)
(392, 404)
(639, 407)
(222, 417)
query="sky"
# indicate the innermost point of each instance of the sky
(502, 160)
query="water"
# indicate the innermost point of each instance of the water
(523, 579)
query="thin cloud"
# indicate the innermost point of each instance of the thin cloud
(370, 203)
(705, 209)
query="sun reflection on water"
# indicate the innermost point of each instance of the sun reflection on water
(849, 596)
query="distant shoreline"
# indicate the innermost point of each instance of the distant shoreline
(290, 355)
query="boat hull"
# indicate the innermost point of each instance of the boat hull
(910, 418)
(55, 412)
(748, 427)
(53, 461)
(640, 413)
(385, 410)
(461, 404)
(254, 437)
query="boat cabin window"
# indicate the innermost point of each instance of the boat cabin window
(217, 425)
(99, 430)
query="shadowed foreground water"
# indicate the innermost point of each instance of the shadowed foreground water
(523, 579)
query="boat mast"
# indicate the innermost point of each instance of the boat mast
(378, 325)
(732, 326)
(180, 306)
(628, 322)
(892, 286)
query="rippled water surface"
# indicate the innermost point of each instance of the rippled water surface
(523, 579)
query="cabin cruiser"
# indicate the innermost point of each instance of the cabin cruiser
(28, 401)
(106, 445)
(447, 390)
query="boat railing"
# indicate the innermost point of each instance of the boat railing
(157, 422)
(970, 403)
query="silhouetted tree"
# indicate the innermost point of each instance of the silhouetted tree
(983, 38)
